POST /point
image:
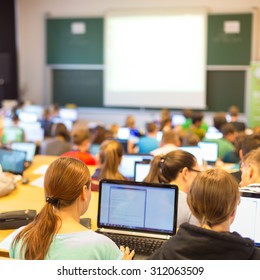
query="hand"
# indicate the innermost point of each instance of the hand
(127, 254)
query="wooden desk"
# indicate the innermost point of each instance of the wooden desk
(27, 196)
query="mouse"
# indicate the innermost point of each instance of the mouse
(25, 181)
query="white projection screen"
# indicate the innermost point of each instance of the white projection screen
(155, 58)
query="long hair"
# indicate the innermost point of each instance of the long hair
(63, 183)
(110, 156)
(213, 196)
(165, 168)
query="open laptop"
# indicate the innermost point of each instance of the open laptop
(209, 152)
(11, 134)
(12, 161)
(247, 220)
(28, 147)
(194, 150)
(127, 165)
(142, 169)
(147, 212)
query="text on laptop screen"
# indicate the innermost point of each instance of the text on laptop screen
(247, 220)
(138, 207)
(141, 170)
(12, 161)
(27, 147)
(209, 151)
(127, 165)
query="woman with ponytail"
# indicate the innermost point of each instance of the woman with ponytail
(177, 168)
(56, 233)
(109, 158)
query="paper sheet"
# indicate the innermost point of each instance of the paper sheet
(38, 182)
(41, 170)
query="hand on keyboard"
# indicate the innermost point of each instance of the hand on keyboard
(127, 254)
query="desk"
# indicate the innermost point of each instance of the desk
(26, 196)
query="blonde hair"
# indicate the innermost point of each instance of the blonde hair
(110, 156)
(213, 196)
(63, 183)
(253, 157)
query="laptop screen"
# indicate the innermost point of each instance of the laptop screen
(136, 206)
(12, 161)
(247, 220)
(142, 168)
(11, 134)
(28, 147)
(209, 151)
(127, 165)
(194, 150)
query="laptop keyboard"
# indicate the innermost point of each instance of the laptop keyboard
(141, 245)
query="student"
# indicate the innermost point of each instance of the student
(170, 142)
(109, 158)
(213, 199)
(234, 118)
(250, 143)
(81, 142)
(178, 168)
(55, 233)
(148, 142)
(58, 143)
(250, 168)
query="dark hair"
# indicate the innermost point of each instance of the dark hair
(60, 129)
(250, 143)
(219, 119)
(165, 168)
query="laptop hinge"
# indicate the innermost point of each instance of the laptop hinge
(135, 233)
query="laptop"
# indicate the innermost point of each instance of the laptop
(209, 152)
(11, 134)
(147, 212)
(247, 220)
(28, 147)
(194, 150)
(12, 161)
(142, 169)
(127, 165)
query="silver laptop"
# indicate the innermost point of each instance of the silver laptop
(247, 220)
(142, 169)
(127, 165)
(194, 150)
(136, 213)
(209, 152)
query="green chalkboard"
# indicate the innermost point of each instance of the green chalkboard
(65, 46)
(225, 88)
(229, 48)
(81, 87)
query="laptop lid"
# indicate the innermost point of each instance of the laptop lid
(12, 161)
(194, 150)
(142, 169)
(28, 147)
(137, 208)
(127, 165)
(247, 220)
(209, 151)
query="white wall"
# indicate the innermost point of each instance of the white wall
(34, 76)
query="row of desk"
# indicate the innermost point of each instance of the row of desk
(27, 196)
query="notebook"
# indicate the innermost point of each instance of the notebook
(140, 210)
(142, 169)
(209, 152)
(28, 147)
(127, 165)
(247, 220)
(194, 150)
(12, 161)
